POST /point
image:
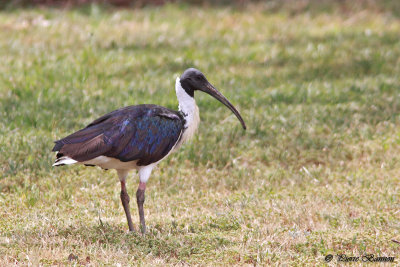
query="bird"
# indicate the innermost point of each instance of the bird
(139, 137)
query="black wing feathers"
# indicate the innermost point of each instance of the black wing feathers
(145, 133)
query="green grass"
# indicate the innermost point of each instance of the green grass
(315, 173)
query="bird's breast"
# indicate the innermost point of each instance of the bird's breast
(192, 120)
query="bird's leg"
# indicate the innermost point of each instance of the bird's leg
(140, 201)
(125, 204)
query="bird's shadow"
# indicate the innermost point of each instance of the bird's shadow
(103, 233)
(169, 240)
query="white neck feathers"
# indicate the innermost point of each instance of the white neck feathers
(187, 105)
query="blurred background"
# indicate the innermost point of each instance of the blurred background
(299, 5)
(316, 173)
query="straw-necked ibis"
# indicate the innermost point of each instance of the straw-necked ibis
(139, 137)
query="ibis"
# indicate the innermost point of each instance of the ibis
(139, 137)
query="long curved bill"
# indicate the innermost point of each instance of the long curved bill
(211, 90)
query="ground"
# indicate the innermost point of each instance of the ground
(316, 173)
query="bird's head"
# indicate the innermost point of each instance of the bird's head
(193, 79)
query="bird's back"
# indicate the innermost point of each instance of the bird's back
(143, 133)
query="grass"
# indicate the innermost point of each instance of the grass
(316, 172)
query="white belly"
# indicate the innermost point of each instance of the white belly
(112, 163)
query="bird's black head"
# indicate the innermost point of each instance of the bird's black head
(193, 79)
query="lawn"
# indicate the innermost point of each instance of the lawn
(315, 173)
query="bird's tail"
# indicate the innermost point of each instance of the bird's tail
(65, 160)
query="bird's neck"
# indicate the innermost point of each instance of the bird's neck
(189, 109)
